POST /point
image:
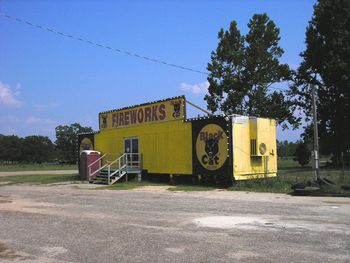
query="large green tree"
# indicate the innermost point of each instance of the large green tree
(326, 64)
(37, 149)
(10, 148)
(66, 139)
(302, 153)
(243, 68)
(34, 149)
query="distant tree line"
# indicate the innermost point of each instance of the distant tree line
(299, 151)
(40, 149)
(31, 149)
(286, 149)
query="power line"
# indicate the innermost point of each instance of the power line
(59, 33)
(126, 52)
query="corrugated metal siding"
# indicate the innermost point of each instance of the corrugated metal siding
(165, 147)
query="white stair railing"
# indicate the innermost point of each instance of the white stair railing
(127, 162)
(119, 170)
(134, 161)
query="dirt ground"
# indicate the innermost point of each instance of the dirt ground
(76, 223)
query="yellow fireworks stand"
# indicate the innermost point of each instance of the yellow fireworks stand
(156, 138)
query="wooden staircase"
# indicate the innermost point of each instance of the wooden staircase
(102, 177)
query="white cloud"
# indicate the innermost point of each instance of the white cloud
(25, 126)
(37, 120)
(8, 97)
(32, 120)
(44, 107)
(6, 120)
(197, 89)
(17, 89)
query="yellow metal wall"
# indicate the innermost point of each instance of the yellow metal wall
(267, 134)
(166, 147)
(246, 166)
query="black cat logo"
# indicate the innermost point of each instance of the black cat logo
(86, 144)
(211, 149)
(104, 121)
(177, 107)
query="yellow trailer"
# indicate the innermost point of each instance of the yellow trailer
(157, 138)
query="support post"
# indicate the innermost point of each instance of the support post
(139, 177)
(194, 179)
(171, 176)
(196, 106)
(343, 167)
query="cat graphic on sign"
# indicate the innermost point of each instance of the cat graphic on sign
(104, 121)
(177, 109)
(211, 149)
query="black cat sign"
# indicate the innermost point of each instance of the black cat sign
(85, 144)
(211, 147)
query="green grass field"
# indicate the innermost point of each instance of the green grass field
(39, 179)
(290, 164)
(36, 167)
(289, 172)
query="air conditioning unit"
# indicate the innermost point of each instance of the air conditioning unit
(262, 149)
(257, 149)
(259, 134)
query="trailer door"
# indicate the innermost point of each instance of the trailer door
(131, 148)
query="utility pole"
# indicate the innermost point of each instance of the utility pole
(316, 148)
(342, 166)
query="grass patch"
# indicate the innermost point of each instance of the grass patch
(39, 179)
(279, 184)
(285, 179)
(36, 167)
(284, 164)
(290, 164)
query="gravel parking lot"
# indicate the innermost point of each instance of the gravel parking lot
(65, 223)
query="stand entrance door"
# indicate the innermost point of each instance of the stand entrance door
(131, 148)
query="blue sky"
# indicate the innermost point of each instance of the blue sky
(47, 80)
